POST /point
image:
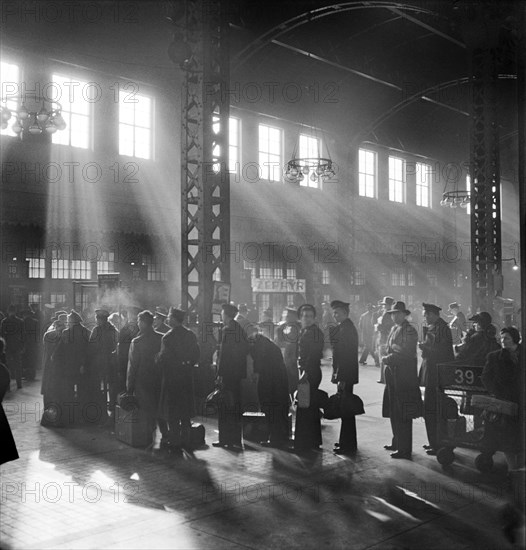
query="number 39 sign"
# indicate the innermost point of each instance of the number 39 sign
(460, 375)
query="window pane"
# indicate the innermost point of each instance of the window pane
(9, 81)
(367, 173)
(135, 125)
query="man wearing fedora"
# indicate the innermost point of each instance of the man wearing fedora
(159, 320)
(437, 347)
(179, 353)
(458, 323)
(366, 326)
(287, 336)
(384, 324)
(402, 400)
(231, 369)
(344, 342)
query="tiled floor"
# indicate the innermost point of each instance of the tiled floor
(81, 488)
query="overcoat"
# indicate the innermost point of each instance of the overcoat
(344, 340)
(437, 348)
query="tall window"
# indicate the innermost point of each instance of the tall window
(106, 263)
(367, 173)
(35, 298)
(291, 270)
(10, 78)
(432, 279)
(37, 263)
(74, 96)
(157, 270)
(411, 277)
(234, 145)
(135, 125)
(325, 277)
(423, 184)
(357, 278)
(69, 269)
(57, 299)
(398, 276)
(270, 153)
(396, 179)
(309, 147)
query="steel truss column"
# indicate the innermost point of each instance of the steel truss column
(485, 179)
(205, 186)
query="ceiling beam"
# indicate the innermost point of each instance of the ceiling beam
(427, 27)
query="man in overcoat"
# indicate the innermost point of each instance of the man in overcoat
(179, 353)
(344, 341)
(383, 326)
(402, 399)
(231, 369)
(437, 348)
(287, 336)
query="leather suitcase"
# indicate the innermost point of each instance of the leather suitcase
(132, 428)
(255, 427)
(197, 436)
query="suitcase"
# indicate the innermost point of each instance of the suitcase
(255, 427)
(197, 436)
(132, 428)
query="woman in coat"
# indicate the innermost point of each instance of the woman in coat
(307, 435)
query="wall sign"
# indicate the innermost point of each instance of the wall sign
(278, 285)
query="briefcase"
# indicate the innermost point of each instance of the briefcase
(255, 427)
(132, 428)
(197, 435)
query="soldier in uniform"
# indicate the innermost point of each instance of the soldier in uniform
(287, 336)
(102, 369)
(179, 353)
(142, 378)
(307, 435)
(384, 324)
(231, 369)
(159, 321)
(402, 400)
(344, 341)
(437, 347)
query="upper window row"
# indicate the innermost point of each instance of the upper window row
(76, 98)
(368, 178)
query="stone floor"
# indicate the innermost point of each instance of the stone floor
(81, 488)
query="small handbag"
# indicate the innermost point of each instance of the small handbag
(332, 410)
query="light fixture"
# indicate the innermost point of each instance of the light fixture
(43, 115)
(515, 266)
(456, 198)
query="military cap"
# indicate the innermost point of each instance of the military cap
(432, 308)
(338, 303)
(102, 312)
(307, 307)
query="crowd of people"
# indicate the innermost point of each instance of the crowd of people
(152, 355)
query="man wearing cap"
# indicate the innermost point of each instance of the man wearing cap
(179, 353)
(70, 358)
(366, 327)
(12, 331)
(384, 324)
(126, 335)
(402, 400)
(231, 369)
(344, 342)
(142, 377)
(51, 340)
(287, 336)
(478, 342)
(458, 323)
(159, 321)
(307, 434)
(102, 368)
(437, 347)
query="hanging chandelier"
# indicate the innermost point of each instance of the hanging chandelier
(313, 166)
(456, 198)
(42, 116)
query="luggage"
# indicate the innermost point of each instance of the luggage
(197, 436)
(255, 427)
(132, 427)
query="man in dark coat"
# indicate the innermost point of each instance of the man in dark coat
(12, 331)
(159, 321)
(478, 342)
(273, 391)
(69, 361)
(366, 326)
(458, 323)
(344, 341)
(307, 434)
(51, 340)
(436, 348)
(402, 399)
(179, 353)
(383, 326)
(231, 369)
(143, 377)
(102, 368)
(30, 353)
(287, 336)
(127, 333)
(8, 450)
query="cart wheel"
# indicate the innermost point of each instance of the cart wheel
(445, 456)
(484, 463)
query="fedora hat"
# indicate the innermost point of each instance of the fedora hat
(399, 306)
(387, 301)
